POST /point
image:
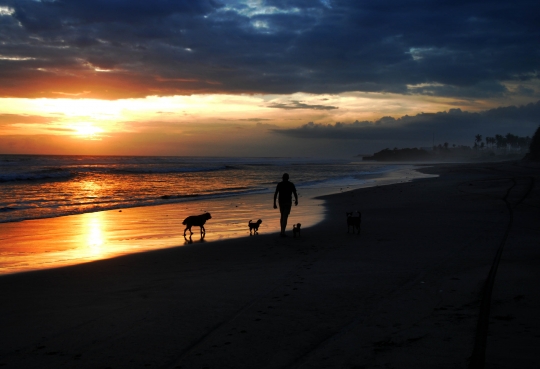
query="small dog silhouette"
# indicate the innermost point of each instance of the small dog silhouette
(197, 221)
(354, 222)
(296, 229)
(254, 226)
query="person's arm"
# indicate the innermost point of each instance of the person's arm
(275, 196)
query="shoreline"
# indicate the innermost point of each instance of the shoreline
(404, 293)
(79, 238)
(164, 181)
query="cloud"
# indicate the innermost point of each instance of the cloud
(267, 126)
(256, 120)
(454, 126)
(60, 129)
(11, 119)
(299, 105)
(122, 49)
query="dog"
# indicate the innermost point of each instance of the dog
(296, 229)
(196, 220)
(254, 226)
(354, 222)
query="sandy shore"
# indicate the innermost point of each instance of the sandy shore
(75, 239)
(405, 293)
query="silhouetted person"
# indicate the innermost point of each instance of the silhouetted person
(285, 189)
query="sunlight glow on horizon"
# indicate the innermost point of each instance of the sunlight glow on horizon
(240, 108)
(203, 124)
(87, 130)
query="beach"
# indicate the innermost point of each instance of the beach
(406, 292)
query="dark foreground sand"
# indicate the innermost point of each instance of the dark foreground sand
(406, 293)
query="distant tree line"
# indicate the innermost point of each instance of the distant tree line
(509, 141)
(396, 154)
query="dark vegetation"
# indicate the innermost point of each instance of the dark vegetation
(534, 148)
(498, 147)
(400, 154)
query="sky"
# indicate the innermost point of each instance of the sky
(322, 78)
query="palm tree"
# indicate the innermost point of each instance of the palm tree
(501, 141)
(477, 140)
(512, 140)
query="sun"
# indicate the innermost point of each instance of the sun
(87, 130)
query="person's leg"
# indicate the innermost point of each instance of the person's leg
(283, 222)
(284, 209)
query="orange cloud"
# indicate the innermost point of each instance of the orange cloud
(92, 84)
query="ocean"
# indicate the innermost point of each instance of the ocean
(64, 210)
(39, 186)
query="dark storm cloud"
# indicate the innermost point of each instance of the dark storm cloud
(127, 48)
(455, 126)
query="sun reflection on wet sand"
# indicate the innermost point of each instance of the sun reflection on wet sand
(94, 234)
(74, 239)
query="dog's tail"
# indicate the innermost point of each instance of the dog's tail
(250, 221)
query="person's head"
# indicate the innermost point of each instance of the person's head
(285, 177)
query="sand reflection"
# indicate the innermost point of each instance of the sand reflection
(54, 242)
(93, 235)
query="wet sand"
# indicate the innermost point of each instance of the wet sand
(405, 293)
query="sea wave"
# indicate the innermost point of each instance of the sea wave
(214, 193)
(49, 173)
(336, 181)
(168, 170)
(72, 171)
(52, 186)
(57, 209)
